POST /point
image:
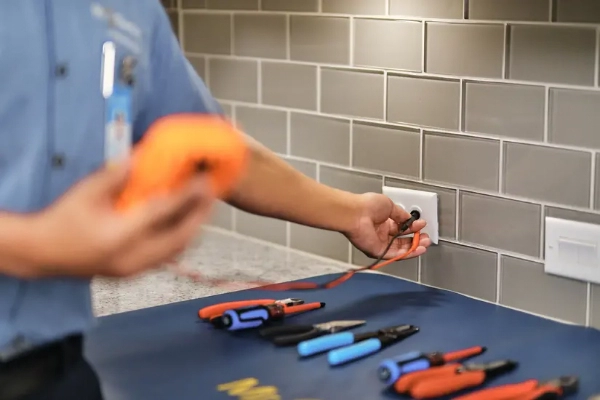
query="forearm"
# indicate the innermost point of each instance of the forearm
(18, 247)
(271, 187)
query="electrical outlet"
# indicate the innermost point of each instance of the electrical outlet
(424, 202)
(572, 249)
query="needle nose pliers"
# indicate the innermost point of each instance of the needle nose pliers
(288, 335)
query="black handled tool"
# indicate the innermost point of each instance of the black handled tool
(288, 335)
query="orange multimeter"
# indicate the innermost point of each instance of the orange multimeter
(176, 147)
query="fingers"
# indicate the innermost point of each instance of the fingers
(416, 226)
(109, 180)
(168, 211)
(402, 245)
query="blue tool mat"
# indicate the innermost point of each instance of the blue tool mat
(165, 353)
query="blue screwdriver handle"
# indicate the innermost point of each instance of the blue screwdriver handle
(245, 318)
(353, 352)
(390, 369)
(324, 343)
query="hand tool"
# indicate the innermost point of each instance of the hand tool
(177, 147)
(336, 340)
(217, 310)
(253, 317)
(391, 369)
(449, 378)
(288, 335)
(528, 390)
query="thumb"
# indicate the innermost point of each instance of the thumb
(398, 214)
(111, 179)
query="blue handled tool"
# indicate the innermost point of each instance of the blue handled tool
(391, 369)
(289, 335)
(253, 317)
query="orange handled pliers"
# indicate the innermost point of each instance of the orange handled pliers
(216, 310)
(528, 390)
(445, 380)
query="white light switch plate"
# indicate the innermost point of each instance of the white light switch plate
(425, 202)
(572, 249)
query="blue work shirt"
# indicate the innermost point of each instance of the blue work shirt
(52, 127)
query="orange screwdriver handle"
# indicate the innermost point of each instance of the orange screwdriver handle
(445, 385)
(218, 309)
(465, 353)
(177, 147)
(516, 391)
(406, 382)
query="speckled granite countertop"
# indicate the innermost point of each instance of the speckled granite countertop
(218, 254)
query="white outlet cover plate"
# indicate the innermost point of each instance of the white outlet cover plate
(572, 249)
(425, 202)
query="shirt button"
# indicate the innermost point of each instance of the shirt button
(58, 160)
(61, 70)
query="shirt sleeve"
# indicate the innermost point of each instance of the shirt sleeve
(174, 86)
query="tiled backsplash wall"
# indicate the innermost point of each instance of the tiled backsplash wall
(493, 104)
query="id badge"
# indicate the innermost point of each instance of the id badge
(117, 91)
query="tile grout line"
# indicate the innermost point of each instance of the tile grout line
(501, 165)
(180, 30)
(423, 46)
(542, 231)
(421, 154)
(288, 132)
(391, 17)
(441, 185)
(546, 115)
(408, 73)
(232, 36)
(318, 90)
(498, 277)
(320, 6)
(401, 125)
(351, 38)
(288, 37)
(588, 308)
(259, 82)
(387, 7)
(385, 95)
(350, 144)
(505, 51)
(597, 58)
(593, 182)
(457, 215)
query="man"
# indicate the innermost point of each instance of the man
(66, 66)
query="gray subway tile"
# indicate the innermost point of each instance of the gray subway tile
(460, 269)
(461, 160)
(198, 62)
(267, 126)
(210, 34)
(535, 171)
(222, 216)
(516, 10)
(289, 85)
(423, 101)
(587, 11)
(193, 4)
(234, 79)
(407, 269)
(308, 168)
(352, 93)
(232, 4)
(574, 117)
(320, 138)
(264, 228)
(320, 242)
(375, 7)
(350, 181)
(378, 147)
(553, 54)
(320, 39)
(491, 221)
(448, 9)
(597, 183)
(446, 204)
(290, 5)
(595, 306)
(452, 47)
(507, 110)
(403, 48)
(573, 215)
(525, 285)
(260, 35)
